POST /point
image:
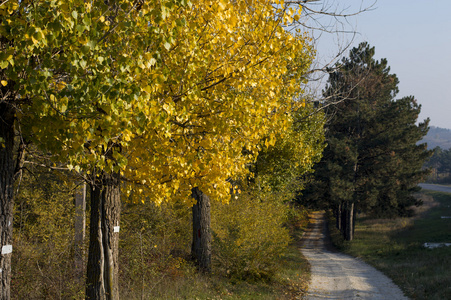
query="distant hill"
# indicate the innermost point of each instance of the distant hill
(438, 137)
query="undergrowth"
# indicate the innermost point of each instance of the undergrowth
(155, 243)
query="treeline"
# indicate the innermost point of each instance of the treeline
(440, 165)
(158, 105)
(372, 162)
(438, 137)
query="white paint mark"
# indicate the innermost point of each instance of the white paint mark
(446, 217)
(116, 228)
(7, 249)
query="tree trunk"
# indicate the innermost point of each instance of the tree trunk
(103, 267)
(201, 247)
(349, 232)
(7, 174)
(80, 229)
(343, 218)
(338, 215)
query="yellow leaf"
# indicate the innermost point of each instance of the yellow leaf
(4, 82)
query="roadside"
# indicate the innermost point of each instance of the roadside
(396, 247)
(339, 276)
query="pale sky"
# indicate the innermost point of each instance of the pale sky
(415, 38)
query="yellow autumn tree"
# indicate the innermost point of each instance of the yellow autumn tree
(165, 95)
(251, 232)
(68, 72)
(227, 86)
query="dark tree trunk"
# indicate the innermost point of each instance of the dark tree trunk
(80, 229)
(201, 247)
(338, 216)
(103, 267)
(349, 232)
(343, 218)
(7, 174)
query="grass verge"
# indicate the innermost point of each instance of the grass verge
(395, 246)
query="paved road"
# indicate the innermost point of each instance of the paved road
(436, 187)
(339, 276)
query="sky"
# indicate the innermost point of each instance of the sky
(415, 38)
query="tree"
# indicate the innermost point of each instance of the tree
(371, 162)
(59, 63)
(280, 169)
(164, 96)
(8, 168)
(251, 231)
(401, 165)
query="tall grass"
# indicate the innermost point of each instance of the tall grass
(395, 246)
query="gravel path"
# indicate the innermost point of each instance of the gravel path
(339, 276)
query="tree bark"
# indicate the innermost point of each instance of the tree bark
(349, 232)
(338, 215)
(201, 247)
(7, 176)
(103, 267)
(80, 229)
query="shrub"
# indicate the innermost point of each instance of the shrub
(43, 260)
(249, 236)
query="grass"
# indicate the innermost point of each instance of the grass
(395, 246)
(290, 282)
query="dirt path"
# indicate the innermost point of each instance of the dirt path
(339, 276)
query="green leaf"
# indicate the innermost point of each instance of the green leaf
(167, 45)
(92, 44)
(86, 20)
(80, 28)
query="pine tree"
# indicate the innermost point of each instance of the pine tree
(399, 165)
(372, 162)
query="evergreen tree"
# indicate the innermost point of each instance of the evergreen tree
(399, 165)
(371, 162)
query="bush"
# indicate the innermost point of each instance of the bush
(249, 236)
(43, 260)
